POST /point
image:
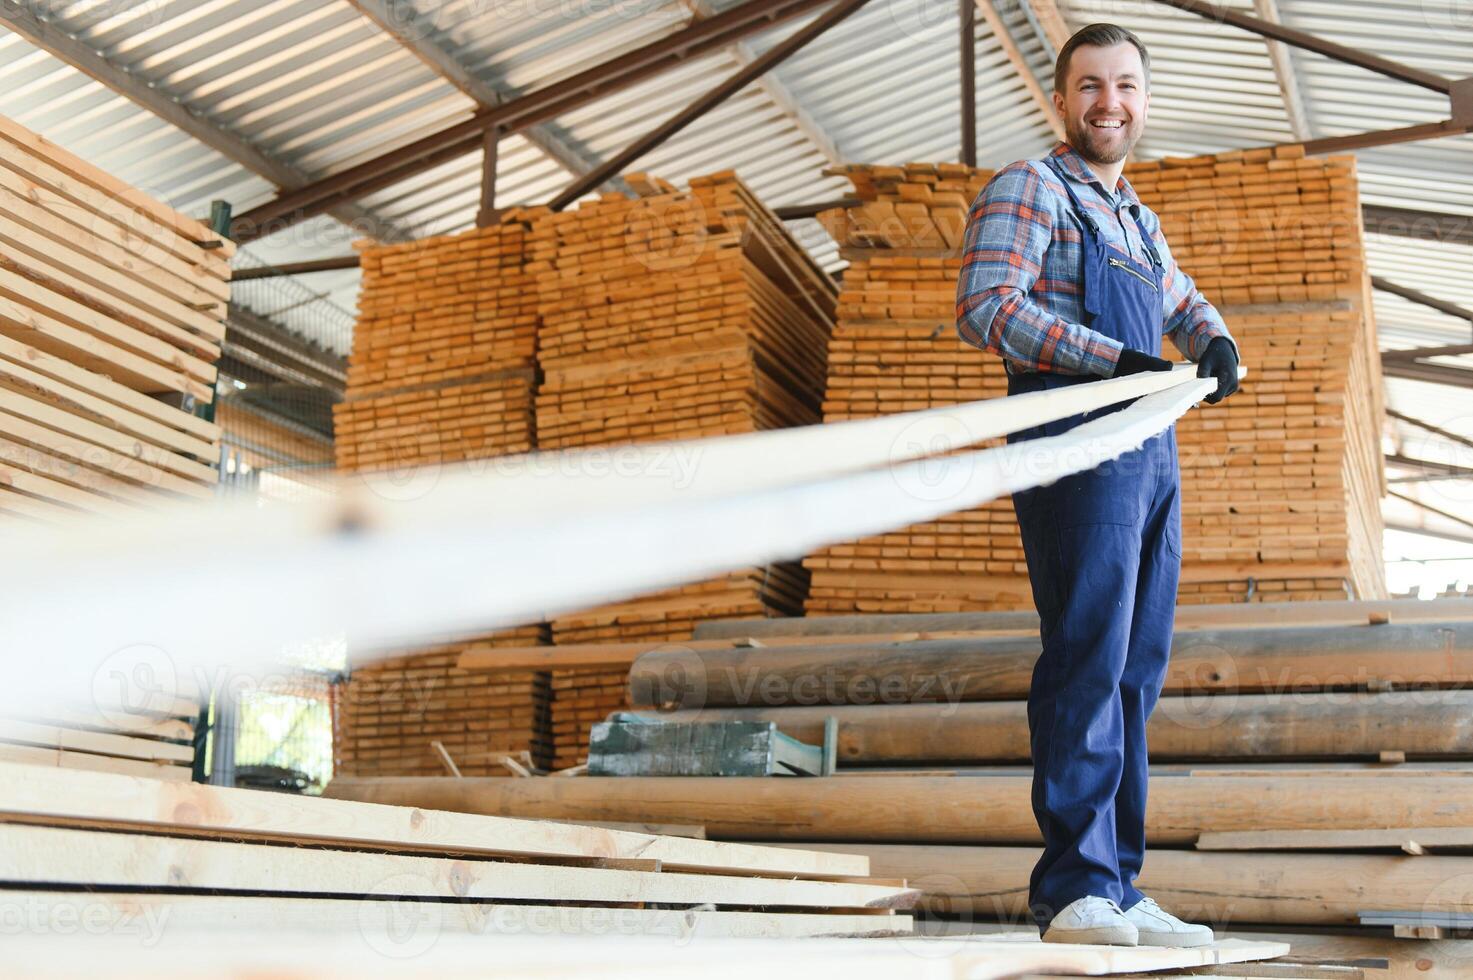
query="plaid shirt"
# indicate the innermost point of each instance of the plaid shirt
(1019, 294)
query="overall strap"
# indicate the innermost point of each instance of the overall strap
(1146, 241)
(1079, 209)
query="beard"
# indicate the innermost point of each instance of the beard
(1101, 146)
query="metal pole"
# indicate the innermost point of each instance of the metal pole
(968, 12)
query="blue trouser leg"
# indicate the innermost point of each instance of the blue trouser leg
(1099, 549)
(1146, 662)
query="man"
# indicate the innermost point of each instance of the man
(1067, 276)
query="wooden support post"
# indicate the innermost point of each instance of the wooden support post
(488, 214)
(968, 11)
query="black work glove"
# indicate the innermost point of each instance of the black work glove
(1134, 361)
(1220, 361)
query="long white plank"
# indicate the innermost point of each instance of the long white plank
(39, 855)
(393, 571)
(108, 800)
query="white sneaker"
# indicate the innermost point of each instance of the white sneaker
(1093, 921)
(1156, 927)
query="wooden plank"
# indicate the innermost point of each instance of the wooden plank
(105, 388)
(96, 743)
(20, 377)
(1215, 888)
(47, 299)
(114, 721)
(77, 451)
(118, 442)
(324, 917)
(32, 756)
(49, 213)
(254, 955)
(980, 809)
(53, 855)
(86, 350)
(1409, 840)
(187, 230)
(248, 814)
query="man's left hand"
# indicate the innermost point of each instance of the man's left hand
(1220, 361)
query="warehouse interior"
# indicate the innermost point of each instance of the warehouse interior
(486, 493)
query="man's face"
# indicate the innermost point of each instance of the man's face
(1104, 103)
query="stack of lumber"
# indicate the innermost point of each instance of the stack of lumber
(391, 713)
(677, 315)
(112, 309)
(1280, 484)
(895, 350)
(442, 366)
(209, 858)
(154, 738)
(442, 371)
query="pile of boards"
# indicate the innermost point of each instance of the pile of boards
(1312, 768)
(442, 371)
(140, 853)
(152, 736)
(1280, 484)
(112, 309)
(895, 349)
(675, 315)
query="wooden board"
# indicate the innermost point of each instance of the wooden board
(112, 800)
(51, 855)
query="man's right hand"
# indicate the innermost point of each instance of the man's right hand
(1134, 361)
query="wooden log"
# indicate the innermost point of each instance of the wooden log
(1233, 616)
(1424, 724)
(946, 671)
(54, 855)
(1220, 890)
(108, 800)
(972, 809)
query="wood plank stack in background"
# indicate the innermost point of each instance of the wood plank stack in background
(1285, 475)
(895, 349)
(154, 737)
(678, 315)
(109, 302)
(442, 371)
(390, 712)
(1281, 484)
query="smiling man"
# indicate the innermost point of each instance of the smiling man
(1067, 276)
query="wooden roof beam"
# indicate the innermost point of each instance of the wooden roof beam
(1020, 65)
(1284, 72)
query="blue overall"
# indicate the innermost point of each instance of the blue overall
(1104, 556)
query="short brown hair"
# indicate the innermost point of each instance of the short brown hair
(1097, 36)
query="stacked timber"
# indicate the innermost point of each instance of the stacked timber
(442, 371)
(112, 309)
(420, 714)
(443, 362)
(676, 315)
(195, 861)
(894, 350)
(153, 738)
(1280, 484)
